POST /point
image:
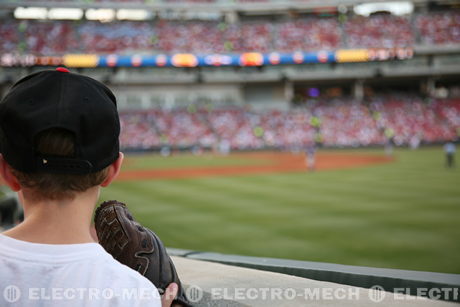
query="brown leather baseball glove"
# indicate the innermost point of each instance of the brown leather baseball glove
(136, 246)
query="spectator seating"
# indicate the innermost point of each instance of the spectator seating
(207, 37)
(344, 122)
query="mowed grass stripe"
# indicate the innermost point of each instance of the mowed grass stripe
(403, 214)
(346, 224)
(148, 161)
(373, 188)
(221, 220)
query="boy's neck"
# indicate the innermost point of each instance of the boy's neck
(57, 221)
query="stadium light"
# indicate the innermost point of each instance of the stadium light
(30, 13)
(65, 13)
(129, 14)
(104, 15)
(395, 8)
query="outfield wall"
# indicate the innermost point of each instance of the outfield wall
(215, 284)
(440, 286)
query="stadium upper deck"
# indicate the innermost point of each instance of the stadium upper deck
(308, 33)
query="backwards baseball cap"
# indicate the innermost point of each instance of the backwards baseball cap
(59, 99)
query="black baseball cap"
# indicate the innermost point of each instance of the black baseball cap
(59, 99)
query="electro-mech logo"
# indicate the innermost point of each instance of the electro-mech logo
(376, 294)
(194, 294)
(11, 294)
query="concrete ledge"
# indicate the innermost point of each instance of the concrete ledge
(390, 280)
(215, 284)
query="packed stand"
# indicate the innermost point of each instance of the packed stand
(307, 34)
(138, 130)
(95, 37)
(236, 126)
(287, 129)
(206, 37)
(347, 123)
(199, 37)
(379, 31)
(50, 38)
(408, 116)
(10, 36)
(343, 123)
(439, 28)
(449, 112)
(182, 127)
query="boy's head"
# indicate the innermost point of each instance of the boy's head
(59, 133)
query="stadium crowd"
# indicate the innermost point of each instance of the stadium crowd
(168, 36)
(343, 122)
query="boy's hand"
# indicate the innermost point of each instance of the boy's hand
(169, 295)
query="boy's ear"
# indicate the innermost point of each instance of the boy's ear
(7, 175)
(114, 170)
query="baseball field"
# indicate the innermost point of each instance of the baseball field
(359, 207)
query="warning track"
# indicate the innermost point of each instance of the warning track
(275, 163)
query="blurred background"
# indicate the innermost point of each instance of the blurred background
(244, 120)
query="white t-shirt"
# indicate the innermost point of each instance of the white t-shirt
(37, 275)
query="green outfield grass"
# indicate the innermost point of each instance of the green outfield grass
(404, 214)
(149, 161)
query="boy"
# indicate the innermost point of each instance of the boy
(59, 144)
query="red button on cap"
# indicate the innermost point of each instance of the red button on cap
(62, 69)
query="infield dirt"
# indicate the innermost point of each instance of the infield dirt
(275, 163)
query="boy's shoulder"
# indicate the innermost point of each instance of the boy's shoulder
(123, 283)
(129, 275)
(74, 266)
